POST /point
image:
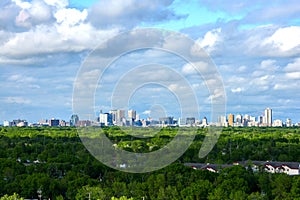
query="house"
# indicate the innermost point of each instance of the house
(209, 167)
(289, 168)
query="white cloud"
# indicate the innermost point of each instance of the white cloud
(54, 39)
(210, 39)
(237, 90)
(70, 16)
(147, 112)
(129, 13)
(293, 67)
(188, 69)
(57, 3)
(34, 13)
(17, 100)
(293, 75)
(285, 39)
(21, 79)
(21, 4)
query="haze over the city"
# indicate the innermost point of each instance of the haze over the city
(254, 45)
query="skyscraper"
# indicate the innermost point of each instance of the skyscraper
(113, 116)
(120, 117)
(131, 115)
(105, 119)
(230, 119)
(288, 123)
(239, 118)
(74, 120)
(268, 116)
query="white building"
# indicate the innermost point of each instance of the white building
(6, 123)
(288, 123)
(289, 168)
(105, 119)
(268, 117)
(277, 123)
(131, 114)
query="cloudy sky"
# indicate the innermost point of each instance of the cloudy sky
(43, 44)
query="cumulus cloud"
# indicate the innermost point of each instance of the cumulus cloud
(129, 13)
(285, 39)
(294, 66)
(70, 16)
(210, 39)
(57, 3)
(34, 13)
(54, 39)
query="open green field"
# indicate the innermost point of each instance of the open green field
(55, 161)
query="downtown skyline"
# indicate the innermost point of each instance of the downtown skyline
(130, 117)
(255, 46)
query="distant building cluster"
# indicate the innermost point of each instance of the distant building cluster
(16, 122)
(131, 118)
(40, 123)
(265, 120)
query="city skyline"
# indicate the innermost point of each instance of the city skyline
(117, 117)
(254, 45)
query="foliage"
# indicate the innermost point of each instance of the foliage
(55, 161)
(11, 197)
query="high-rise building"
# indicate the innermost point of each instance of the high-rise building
(260, 119)
(105, 119)
(239, 118)
(230, 119)
(137, 117)
(113, 116)
(53, 122)
(74, 120)
(268, 117)
(120, 117)
(6, 123)
(132, 115)
(277, 123)
(288, 123)
(204, 121)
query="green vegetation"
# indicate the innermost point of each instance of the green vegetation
(55, 161)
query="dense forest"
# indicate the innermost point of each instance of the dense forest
(54, 161)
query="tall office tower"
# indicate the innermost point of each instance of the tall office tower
(268, 116)
(204, 121)
(288, 123)
(105, 119)
(113, 116)
(222, 121)
(230, 119)
(239, 118)
(252, 119)
(247, 117)
(119, 117)
(74, 120)
(132, 115)
(137, 117)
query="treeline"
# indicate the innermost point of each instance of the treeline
(55, 161)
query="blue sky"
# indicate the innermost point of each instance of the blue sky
(43, 43)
